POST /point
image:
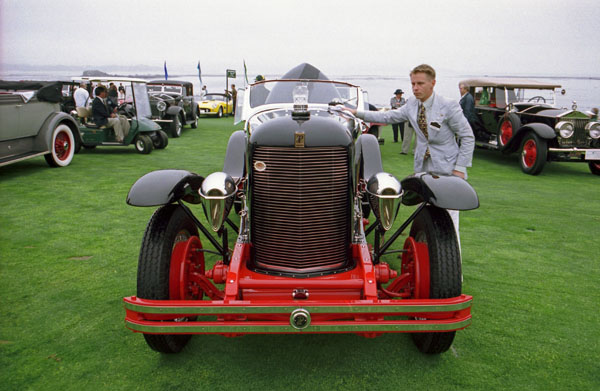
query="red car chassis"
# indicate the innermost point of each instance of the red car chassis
(353, 301)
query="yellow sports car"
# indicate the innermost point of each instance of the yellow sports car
(216, 104)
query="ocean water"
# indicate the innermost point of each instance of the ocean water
(584, 91)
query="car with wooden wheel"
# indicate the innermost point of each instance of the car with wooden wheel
(33, 123)
(519, 115)
(301, 171)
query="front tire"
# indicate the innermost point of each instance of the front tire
(62, 147)
(168, 226)
(534, 152)
(161, 140)
(176, 127)
(595, 167)
(434, 227)
(194, 124)
(143, 144)
(220, 113)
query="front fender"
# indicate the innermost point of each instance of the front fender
(235, 157)
(542, 130)
(174, 110)
(447, 192)
(367, 151)
(164, 187)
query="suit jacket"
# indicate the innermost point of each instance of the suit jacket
(446, 154)
(468, 107)
(100, 112)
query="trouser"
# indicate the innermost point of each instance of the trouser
(407, 140)
(395, 128)
(428, 167)
(120, 126)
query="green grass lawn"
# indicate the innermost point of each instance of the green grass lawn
(68, 254)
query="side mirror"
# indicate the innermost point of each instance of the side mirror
(217, 193)
(385, 194)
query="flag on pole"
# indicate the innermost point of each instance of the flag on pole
(245, 74)
(166, 74)
(200, 74)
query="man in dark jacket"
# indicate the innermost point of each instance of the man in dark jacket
(103, 116)
(467, 103)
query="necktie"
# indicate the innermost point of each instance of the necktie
(422, 121)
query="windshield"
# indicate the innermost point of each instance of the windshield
(319, 92)
(535, 95)
(142, 104)
(214, 97)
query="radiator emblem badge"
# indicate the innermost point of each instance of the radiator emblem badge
(299, 140)
(260, 166)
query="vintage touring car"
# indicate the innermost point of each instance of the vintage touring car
(33, 123)
(520, 115)
(306, 177)
(173, 105)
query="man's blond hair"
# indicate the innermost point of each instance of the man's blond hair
(424, 68)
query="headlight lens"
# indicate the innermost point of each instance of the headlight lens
(214, 105)
(565, 129)
(594, 129)
(161, 106)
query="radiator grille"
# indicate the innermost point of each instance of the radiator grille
(580, 136)
(300, 208)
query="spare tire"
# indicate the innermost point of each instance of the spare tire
(507, 128)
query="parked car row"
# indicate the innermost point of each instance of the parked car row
(40, 118)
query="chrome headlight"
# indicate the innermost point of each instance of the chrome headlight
(161, 106)
(594, 129)
(564, 128)
(217, 193)
(385, 193)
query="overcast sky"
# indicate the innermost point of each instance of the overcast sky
(513, 37)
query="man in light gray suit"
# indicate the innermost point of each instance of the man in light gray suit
(445, 140)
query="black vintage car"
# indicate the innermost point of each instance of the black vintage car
(517, 115)
(173, 105)
(300, 168)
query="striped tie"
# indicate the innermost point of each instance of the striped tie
(422, 121)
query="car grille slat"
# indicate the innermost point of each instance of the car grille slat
(300, 208)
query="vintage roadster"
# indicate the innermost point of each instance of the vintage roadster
(518, 115)
(173, 105)
(301, 170)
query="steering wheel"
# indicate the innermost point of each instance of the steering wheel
(126, 109)
(537, 99)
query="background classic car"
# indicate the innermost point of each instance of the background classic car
(216, 104)
(173, 105)
(301, 262)
(32, 123)
(519, 115)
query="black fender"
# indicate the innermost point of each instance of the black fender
(447, 192)
(174, 110)
(367, 150)
(542, 130)
(235, 157)
(164, 187)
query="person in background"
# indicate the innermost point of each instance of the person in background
(396, 102)
(103, 116)
(203, 91)
(467, 103)
(81, 96)
(113, 96)
(445, 140)
(233, 97)
(122, 94)
(258, 93)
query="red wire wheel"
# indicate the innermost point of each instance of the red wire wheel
(534, 152)
(415, 263)
(187, 260)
